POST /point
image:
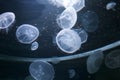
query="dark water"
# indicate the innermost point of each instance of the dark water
(43, 17)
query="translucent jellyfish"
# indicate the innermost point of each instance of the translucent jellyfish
(76, 4)
(72, 73)
(6, 20)
(34, 46)
(29, 78)
(111, 5)
(83, 34)
(112, 60)
(41, 70)
(90, 21)
(94, 62)
(26, 33)
(67, 19)
(68, 41)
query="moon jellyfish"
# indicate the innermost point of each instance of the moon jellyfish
(94, 62)
(112, 60)
(72, 73)
(6, 20)
(67, 19)
(111, 5)
(68, 41)
(34, 46)
(90, 21)
(41, 70)
(26, 33)
(83, 34)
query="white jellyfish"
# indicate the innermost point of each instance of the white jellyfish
(90, 21)
(68, 41)
(112, 60)
(94, 62)
(6, 20)
(34, 46)
(72, 73)
(26, 33)
(67, 19)
(111, 5)
(41, 70)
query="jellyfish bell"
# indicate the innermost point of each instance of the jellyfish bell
(68, 41)
(34, 46)
(111, 5)
(41, 70)
(94, 62)
(67, 19)
(27, 33)
(112, 60)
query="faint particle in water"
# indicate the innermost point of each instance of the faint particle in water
(29, 78)
(90, 21)
(112, 60)
(94, 62)
(27, 33)
(34, 46)
(68, 41)
(41, 70)
(6, 20)
(72, 73)
(83, 34)
(111, 5)
(67, 19)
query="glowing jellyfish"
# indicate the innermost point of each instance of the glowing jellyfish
(41, 70)
(112, 60)
(72, 73)
(26, 33)
(111, 5)
(90, 21)
(67, 19)
(34, 46)
(6, 20)
(83, 34)
(68, 41)
(94, 62)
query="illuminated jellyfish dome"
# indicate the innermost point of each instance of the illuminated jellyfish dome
(26, 33)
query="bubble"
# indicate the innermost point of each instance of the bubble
(6, 20)
(67, 19)
(72, 73)
(111, 5)
(94, 62)
(26, 33)
(34, 46)
(41, 70)
(90, 21)
(68, 41)
(112, 60)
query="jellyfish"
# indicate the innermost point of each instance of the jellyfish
(112, 60)
(6, 20)
(29, 78)
(68, 41)
(67, 19)
(34, 46)
(111, 5)
(72, 73)
(83, 34)
(90, 21)
(26, 33)
(41, 70)
(94, 62)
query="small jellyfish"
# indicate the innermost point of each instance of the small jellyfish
(111, 5)
(41, 70)
(72, 73)
(26, 33)
(83, 34)
(94, 62)
(112, 60)
(29, 78)
(68, 41)
(34, 46)
(6, 20)
(90, 21)
(67, 19)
